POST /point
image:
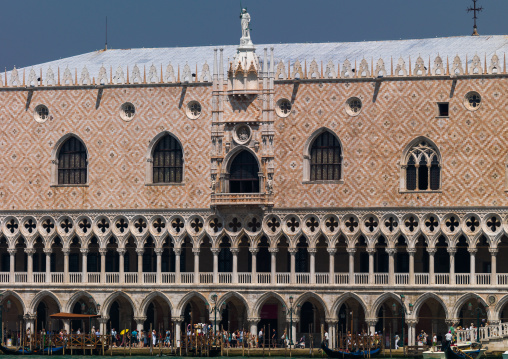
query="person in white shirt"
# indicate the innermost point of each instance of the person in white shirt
(326, 338)
(448, 336)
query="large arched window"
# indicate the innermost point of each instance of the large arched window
(167, 161)
(423, 169)
(244, 174)
(325, 158)
(72, 162)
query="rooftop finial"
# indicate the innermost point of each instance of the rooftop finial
(106, 45)
(245, 21)
(475, 11)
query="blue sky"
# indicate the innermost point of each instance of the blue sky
(36, 31)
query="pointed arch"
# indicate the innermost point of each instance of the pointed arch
(74, 299)
(423, 298)
(106, 306)
(421, 164)
(380, 300)
(9, 292)
(149, 298)
(183, 302)
(459, 303)
(241, 165)
(63, 170)
(39, 297)
(165, 160)
(230, 295)
(311, 295)
(323, 140)
(334, 311)
(256, 309)
(498, 309)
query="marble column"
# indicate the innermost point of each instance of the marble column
(253, 325)
(451, 252)
(215, 253)
(66, 252)
(178, 330)
(30, 264)
(411, 252)
(351, 252)
(493, 265)
(371, 252)
(331, 266)
(103, 322)
(234, 252)
(273, 266)
(140, 252)
(121, 254)
(391, 265)
(102, 252)
(332, 332)
(196, 265)
(158, 253)
(432, 277)
(254, 252)
(371, 323)
(411, 331)
(140, 321)
(312, 255)
(12, 258)
(84, 265)
(178, 252)
(472, 269)
(48, 252)
(292, 265)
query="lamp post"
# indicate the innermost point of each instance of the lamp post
(93, 309)
(478, 312)
(214, 309)
(291, 309)
(7, 308)
(403, 312)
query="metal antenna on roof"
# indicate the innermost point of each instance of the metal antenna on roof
(475, 11)
(106, 46)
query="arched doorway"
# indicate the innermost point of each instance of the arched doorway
(195, 312)
(272, 316)
(121, 314)
(431, 319)
(312, 316)
(47, 306)
(244, 174)
(158, 314)
(391, 322)
(351, 317)
(473, 313)
(12, 314)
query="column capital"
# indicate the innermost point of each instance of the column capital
(292, 251)
(432, 251)
(312, 250)
(66, 251)
(451, 250)
(452, 321)
(103, 251)
(273, 250)
(391, 251)
(103, 320)
(47, 250)
(177, 251)
(140, 320)
(254, 250)
(234, 250)
(472, 250)
(158, 251)
(121, 251)
(215, 251)
(351, 251)
(332, 251)
(84, 251)
(196, 251)
(12, 251)
(253, 320)
(177, 319)
(494, 252)
(371, 321)
(332, 321)
(371, 251)
(411, 251)
(30, 251)
(411, 321)
(140, 251)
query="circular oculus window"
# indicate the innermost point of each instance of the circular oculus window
(127, 111)
(242, 134)
(353, 106)
(193, 110)
(41, 113)
(283, 107)
(472, 100)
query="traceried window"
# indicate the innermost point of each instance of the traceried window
(244, 174)
(168, 161)
(423, 170)
(325, 158)
(72, 163)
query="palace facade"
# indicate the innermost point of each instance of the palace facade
(138, 183)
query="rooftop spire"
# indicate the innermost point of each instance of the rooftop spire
(475, 11)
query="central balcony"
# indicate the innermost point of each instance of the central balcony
(245, 199)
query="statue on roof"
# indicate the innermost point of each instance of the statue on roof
(245, 27)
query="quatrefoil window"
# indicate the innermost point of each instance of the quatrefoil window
(353, 106)
(66, 225)
(371, 224)
(127, 111)
(85, 225)
(332, 224)
(472, 223)
(351, 224)
(493, 223)
(122, 225)
(283, 107)
(103, 225)
(312, 224)
(431, 223)
(235, 225)
(411, 223)
(254, 225)
(452, 223)
(177, 225)
(48, 225)
(12, 225)
(216, 225)
(293, 224)
(159, 225)
(193, 110)
(391, 224)
(30, 225)
(473, 100)
(196, 225)
(140, 225)
(273, 224)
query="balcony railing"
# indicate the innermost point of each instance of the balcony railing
(265, 278)
(226, 199)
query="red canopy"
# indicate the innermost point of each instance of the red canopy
(73, 316)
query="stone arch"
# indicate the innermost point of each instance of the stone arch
(233, 153)
(148, 299)
(342, 299)
(498, 308)
(149, 154)
(9, 292)
(74, 299)
(39, 297)
(422, 298)
(185, 300)
(380, 300)
(307, 148)
(308, 295)
(256, 309)
(230, 295)
(407, 154)
(56, 151)
(106, 306)
(459, 303)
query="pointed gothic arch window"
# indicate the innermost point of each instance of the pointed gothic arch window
(422, 167)
(244, 174)
(167, 160)
(72, 162)
(323, 158)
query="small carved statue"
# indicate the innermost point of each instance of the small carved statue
(269, 186)
(213, 184)
(245, 24)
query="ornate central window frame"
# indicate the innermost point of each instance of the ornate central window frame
(149, 161)
(55, 153)
(307, 157)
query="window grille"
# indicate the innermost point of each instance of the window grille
(167, 161)
(244, 177)
(423, 170)
(72, 162)
(325, 158)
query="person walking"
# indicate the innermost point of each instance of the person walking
(397, 338)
